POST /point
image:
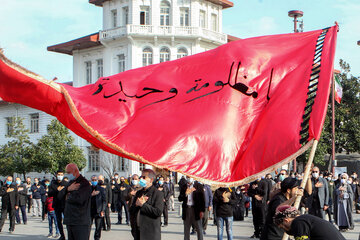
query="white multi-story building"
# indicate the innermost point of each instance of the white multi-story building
(135, 33)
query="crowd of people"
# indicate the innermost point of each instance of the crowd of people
(77, 202)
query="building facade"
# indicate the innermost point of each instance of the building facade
(135, 33)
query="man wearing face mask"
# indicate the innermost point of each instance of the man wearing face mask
(319, 200)
(122, 190)
(9, 195)
(77, 205)
(147, 207)
(166, 192)
(57, 191)
(134, 187)
(29, 194)
(193, 207)
(22, 197)
(108, 194)
(98, 205)
(113, 184)
(37, 191)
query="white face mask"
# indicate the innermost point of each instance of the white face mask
(60, 178)
(238, 192)
(348, 181)
(315, 174)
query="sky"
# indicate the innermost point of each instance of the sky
(28, 27)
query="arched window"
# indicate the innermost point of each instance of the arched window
(165, 13)
(182, 52)
(164, 54)
(147, 56)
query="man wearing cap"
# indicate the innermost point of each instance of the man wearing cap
(305, 226)
(289, 191)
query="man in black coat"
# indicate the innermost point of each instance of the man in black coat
(162, 187)
(104, 183)
(22, 197)
(98, 205)
(258, 192)
(193, 207)
(147, 207)
(57, 191)
(77, 205)
(9, 198)
(122, 189)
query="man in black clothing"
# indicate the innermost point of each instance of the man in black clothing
(305, 226)
(57, 191)
(224, 202)
(258, 192)
(104, 183)
(147, 207)
(162, 187)
(77, 205)
(122, 189)
(21, 201)
(9, 195)
(289, 192)
(98, 205)
(193, 207)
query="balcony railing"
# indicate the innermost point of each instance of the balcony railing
(150, 30)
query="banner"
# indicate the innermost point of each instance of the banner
(225, 116)
(338, 89)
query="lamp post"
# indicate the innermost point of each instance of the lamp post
(297, 14)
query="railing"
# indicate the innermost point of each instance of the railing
(150, 30)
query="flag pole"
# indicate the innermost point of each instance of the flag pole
(305, 178)
(333, 125)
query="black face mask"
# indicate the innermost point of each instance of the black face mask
(100, 182)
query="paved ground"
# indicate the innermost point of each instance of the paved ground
(36, 230)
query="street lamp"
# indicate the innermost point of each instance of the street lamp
(297, 14)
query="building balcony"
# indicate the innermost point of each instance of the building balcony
(166, 31)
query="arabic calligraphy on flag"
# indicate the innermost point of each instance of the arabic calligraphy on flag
(225, 116)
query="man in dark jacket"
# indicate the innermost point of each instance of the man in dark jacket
(22, 197)
(147, 206)
(57, 191)
(171, 202)
(318, 202)
(193, 207)
(77, 205)
(122, 189)
(224, 202)
(162, 187)
(258, 192)
(208, 206)
(104, 183)
(9, 197)
(98, 206)
(37, 192)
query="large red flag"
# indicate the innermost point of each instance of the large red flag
(225, 116)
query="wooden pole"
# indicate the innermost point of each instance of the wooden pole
(305, 178)
(333, 125)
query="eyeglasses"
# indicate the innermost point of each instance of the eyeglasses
(343, 178)
(315, 171)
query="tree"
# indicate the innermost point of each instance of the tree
(56, 149)
(16, 156)
(347, 120)
(109, 163)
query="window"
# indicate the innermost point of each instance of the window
(165, 13)
(121, 62)
(114, 18)
(125, 16)
(184, 17)
(122, 164)
(147, 56)
(94, 160)
(34, 123)
(144, 16)
(88, 72)
(202, 19)
(182, 52)
(141, 166)
(164, 54)
(214, 22)
(100, 68)
(9, 126)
